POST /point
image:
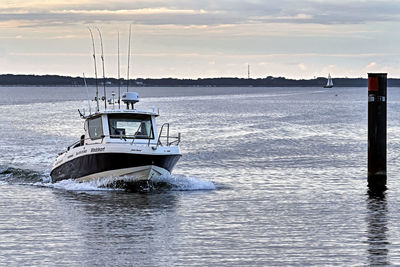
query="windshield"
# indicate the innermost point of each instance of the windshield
(130, 126)
(95, 128)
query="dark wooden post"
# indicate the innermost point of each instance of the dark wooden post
(377, 98)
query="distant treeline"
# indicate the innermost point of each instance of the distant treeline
(56, 80)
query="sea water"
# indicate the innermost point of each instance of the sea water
(268, 176)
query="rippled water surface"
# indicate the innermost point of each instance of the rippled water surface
(269, 176)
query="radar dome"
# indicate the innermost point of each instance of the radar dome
(130, 98)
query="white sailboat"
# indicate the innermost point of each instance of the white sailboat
(329, 84)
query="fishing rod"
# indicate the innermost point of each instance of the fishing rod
(104, 77)
(87, 93)
(129, 55)
(95, 70)
(119, 79)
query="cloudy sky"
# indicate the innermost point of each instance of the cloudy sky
(202, 38)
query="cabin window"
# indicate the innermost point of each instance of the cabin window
(95, 128)
(130, 126)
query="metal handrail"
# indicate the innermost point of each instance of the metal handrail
(176, 141)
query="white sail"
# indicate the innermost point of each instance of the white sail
(329, 84)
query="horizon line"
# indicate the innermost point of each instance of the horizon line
(198, 78)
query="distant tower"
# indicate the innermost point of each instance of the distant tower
(248, 71)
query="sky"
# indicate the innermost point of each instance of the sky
(299, 39)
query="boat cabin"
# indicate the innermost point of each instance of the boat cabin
(116, 126)
(127, 126)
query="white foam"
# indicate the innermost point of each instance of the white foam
(72, 185)
(176, 183)
(46, 178)
(184, 183)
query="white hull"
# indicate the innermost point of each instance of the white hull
(128, 175)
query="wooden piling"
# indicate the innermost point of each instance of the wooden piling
(377, 99)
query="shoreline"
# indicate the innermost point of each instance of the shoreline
(12, 80)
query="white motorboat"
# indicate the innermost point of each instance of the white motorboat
(119, 147)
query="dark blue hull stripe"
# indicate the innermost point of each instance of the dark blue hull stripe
(101, 162)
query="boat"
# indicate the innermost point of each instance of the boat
(329, 84)
(119, 147)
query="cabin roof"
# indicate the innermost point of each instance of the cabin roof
(122, 111)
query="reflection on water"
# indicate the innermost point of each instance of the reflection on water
(131, 226)
(377, 223)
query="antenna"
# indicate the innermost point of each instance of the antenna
(95, 71)
(87, 93)
(113, 97)
(119, 79)
(248, 71)
(129, 55)
(104, 77)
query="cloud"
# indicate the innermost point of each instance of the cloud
(205, 12)
(161, 16)
(303, 37)
(302, 66)
(371, 65)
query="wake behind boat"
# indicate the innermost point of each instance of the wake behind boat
(120, 147)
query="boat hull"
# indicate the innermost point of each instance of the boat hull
(132, 167)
